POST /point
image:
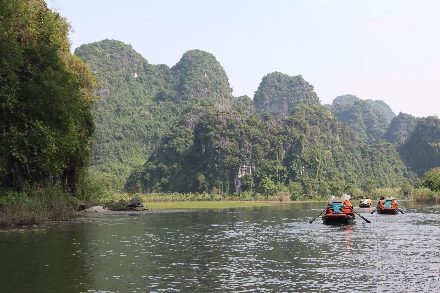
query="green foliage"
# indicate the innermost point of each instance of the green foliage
(201, 76)
(431, 180)
(279, 93)
(267, 187)
(378, 105)
(35, 205)
(140, 101)
(178, 129)
(382, 107)
(369, 123)
(244, 105)
(421, 151)
(45, 99)
(368, 185)
(295, 190)
(400, 128)
(309, 155)
(426, 195)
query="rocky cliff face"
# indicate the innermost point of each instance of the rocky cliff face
(279, 93)
(400, 128)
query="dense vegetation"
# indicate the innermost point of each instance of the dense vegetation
(421, 151)
(379, 105)
(365, 117)
(400, 128)
(45, 100)
(179, 129)
(309, 154)
(140, 101)
(279, 93)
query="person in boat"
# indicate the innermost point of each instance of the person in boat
(340, 205)
(381, 200)
(365, 201)
(334, 205)
(335, 208)
(393, 203)
(389, 203)
(348, 207)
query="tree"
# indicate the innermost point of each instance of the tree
(45, 99)
(368, 185)
(431, 180)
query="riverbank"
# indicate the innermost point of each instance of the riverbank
(209, 204)
(36, 206)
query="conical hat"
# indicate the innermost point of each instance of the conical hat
(345, 197)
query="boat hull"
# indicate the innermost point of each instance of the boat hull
(387, 211)
(365, 205)
(338, 219)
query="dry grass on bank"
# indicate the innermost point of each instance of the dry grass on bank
(425, 195)
(36, 206)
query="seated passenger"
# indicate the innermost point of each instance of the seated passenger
(387, 204)
(335, 208)
(394, 203)
(381, 201)
(348, 208)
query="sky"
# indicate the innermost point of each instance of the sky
(385, 50)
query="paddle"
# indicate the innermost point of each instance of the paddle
(374, 210)
(399, 209)
(366, 220)
(317, 216)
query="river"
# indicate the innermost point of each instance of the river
(261, 249)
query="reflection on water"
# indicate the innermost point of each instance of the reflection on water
(264, 249)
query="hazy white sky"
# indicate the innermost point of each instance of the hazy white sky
(375, 49)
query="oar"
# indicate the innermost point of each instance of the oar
(366, 220)
(317, 216)
(374, 210)
(399, 209)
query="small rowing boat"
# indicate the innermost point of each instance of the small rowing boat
(339, 211)
(388, 206)
(365, 203)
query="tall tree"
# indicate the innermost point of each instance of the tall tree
(45, 99)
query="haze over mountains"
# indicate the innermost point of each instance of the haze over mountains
(180, 129)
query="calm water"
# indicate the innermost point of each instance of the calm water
(264, 249)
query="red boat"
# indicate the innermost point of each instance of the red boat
(339, 211)
(365, 203)
(388, 206)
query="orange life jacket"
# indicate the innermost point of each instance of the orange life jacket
(348, 208)
(365, 201)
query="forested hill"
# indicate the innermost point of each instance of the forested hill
(309, 154)
(421, 151)
(370, 119)
(279, 93)
(378, 105)
(400, 128)
(147, 114)
(140, 100)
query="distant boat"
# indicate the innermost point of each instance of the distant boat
(365, 203)
(388, 206)
(339, 211)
